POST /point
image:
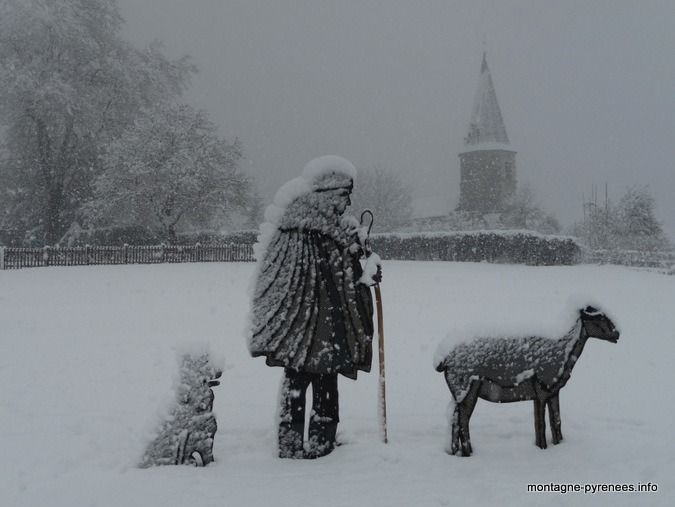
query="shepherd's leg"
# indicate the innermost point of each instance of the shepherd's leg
(554, 418)
(540, 423)
(292, 414)
(323, 420)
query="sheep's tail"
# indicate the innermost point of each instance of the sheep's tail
(447, 350)
(441, 365)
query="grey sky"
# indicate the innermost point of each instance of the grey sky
(586, 87)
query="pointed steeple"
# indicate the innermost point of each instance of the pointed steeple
(487, 124)
(487, 164)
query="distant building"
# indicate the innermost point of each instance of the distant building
(488, 165)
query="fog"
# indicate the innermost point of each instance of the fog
(585, 88)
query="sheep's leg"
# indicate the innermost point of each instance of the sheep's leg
(464, 415)
(540, 423)
(554, 417)
(454, 445)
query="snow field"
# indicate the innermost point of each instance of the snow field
(88, 358)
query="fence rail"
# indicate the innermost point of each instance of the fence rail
(15, 258)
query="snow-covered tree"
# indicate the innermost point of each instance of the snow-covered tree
(637, 227)
(170, 169)
(69, 84)
(522, 211)
(385, 194)
(629, 225)
(460, 220)
(597, 229)
(255, 210)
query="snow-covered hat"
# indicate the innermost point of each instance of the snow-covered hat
(329, 173)
(321, 174)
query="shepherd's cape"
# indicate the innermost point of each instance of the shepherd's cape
(309, 312)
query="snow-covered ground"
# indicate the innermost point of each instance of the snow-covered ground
(87, 360)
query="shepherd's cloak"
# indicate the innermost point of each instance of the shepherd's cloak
(309, 311)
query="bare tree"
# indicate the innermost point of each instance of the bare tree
(385, 194)
(522, 211)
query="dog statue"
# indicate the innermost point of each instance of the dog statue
(186, 437)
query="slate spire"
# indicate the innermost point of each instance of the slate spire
(487, 124)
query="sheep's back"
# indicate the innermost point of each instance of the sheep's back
(505, 361)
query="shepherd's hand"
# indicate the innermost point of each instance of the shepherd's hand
(377, 277)
(372, 270)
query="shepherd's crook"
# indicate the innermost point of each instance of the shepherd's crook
(381, 385)
(382, 406)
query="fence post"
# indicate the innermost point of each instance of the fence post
(2, 258)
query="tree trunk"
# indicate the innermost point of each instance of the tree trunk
(52, 170)
(171, 235)
(54, 227)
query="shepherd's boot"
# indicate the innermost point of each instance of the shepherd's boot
(321, 439)
(290, 440)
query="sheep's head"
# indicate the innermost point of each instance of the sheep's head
(598, 325)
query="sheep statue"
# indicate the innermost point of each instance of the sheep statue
(503, 370)
(186, 436)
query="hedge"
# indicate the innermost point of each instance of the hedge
(508, 247)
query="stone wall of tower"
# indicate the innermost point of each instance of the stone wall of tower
(488, 178)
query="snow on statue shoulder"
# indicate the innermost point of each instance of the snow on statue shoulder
(295, 204)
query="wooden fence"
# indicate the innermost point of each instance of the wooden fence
(15, 258)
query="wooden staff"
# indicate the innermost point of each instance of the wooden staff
(382, 406)
(381, 385)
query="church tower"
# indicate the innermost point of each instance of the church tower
(488, 164)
